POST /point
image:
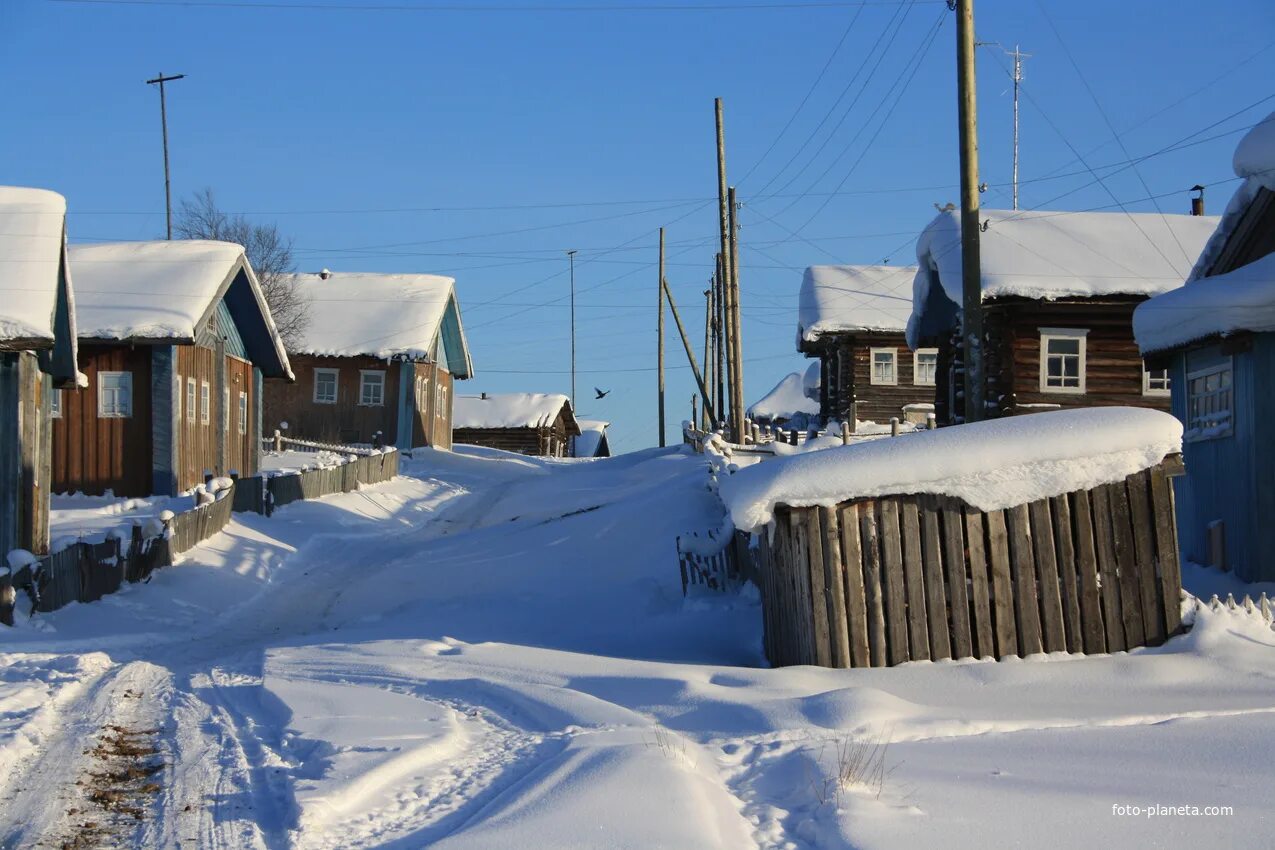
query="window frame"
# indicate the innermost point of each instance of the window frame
(243, 413)
(102, 413)
(1192, 430)
(55, 404)
(225, 409)
(205, 403)
(191, 395)
(1155, 392)
(1081, 335)
(336, 385)
(894, 367)
(916, 367)
(364, 374)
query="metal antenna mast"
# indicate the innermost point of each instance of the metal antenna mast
(1019, 56)
(163, 120)
(571, 258)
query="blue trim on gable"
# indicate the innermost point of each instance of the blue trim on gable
(254, 330)
(230, 331)
(453, 357)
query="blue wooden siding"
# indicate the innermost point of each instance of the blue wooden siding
(452, 355)
(230, 331)
(165, 409)
(1230, 478)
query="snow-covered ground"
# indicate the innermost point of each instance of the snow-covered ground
(493, 651)
(92, 518)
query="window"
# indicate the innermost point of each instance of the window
(1155, 381)
(1062, 360)
(325, 386)
(55, 404)
(1210, 402)
(243, 413)
(114, 395)
(440, 401)
(884, 366)
(225, 409)
(205, 403)
(372, 388)
(190, 400)
(925, 366)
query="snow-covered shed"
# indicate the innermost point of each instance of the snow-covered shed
(37, 354)
(794, 400)
(1215, 337)
(176, 341)
(592, 441)
(852, 319)
(1059, 290)
(377, 360)
(527, 423)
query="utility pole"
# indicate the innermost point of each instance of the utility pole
(708, 333)
(686, 344)
(1019, 56)
(971, 266)
(571, 260)
(659, 334)
(737, 337)
(727, 291)
(163, 122)
(719, 400)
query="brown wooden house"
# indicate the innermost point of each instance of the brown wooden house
(175, 340)
(1059, 291)
(527, 423)
(853, 318)
(37, 354)
(377, 361)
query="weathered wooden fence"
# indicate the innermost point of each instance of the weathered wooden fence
(275, 491)
(877, 582)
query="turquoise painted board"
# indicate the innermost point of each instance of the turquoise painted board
(230, 331)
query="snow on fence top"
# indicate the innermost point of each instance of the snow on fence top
(1052, 255)
(787, 399)
(991, 465)
(853, 298)
(508, 410)
(31, 244)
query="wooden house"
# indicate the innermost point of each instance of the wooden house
(37, 355)
(852, 319)
(1215, 337)
(1059, 290)
(377, 361)
(592, 441)
(527, 423)
(793, 402)
(176, 340)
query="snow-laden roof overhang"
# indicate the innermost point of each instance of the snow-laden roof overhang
(845, 299)
(513, 410)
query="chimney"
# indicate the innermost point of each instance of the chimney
(1197, 202)
(325, 274)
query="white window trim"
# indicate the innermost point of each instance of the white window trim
(205, 403)
(1146, 384)
(101, 385)
(243, 412)
(225, 409)
(55, 404)
(1190, 435)
(336, 385)
(872, 372)
(192, 393)
(363, 373)
(916, 359)
(1047, 334)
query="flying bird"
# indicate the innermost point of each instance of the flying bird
(601, 393)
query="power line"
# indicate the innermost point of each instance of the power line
(475, 7)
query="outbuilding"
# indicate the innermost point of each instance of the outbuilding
(527, 423)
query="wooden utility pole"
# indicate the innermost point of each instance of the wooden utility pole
(719, 400)
(163, 123)
(708, 336)
(727, 290)
(659, 333)
(686, 343)
(737, 344)
(971, 266)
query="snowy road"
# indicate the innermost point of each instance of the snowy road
(494, 652)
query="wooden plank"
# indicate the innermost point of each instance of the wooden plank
(1065, 549)
(1168, 567)
(956, 570)
(895, 598)
(874, 591)
(1048, 582)
(834, 581)
(779, 562)
(980, 591)
(935, 586)
(821, 631)
(1126, 566)
(856, 602)
(1108, 578)
(1092, 630)
(1138, 486)
(764, 574)
(1002, 585)
(1023, 568)
(914, 580)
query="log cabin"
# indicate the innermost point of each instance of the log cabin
(592, 441)
(541, 424)
(375, 363)
(1215, 336)
(37, 357)
(176, 340)
(1058, 294)
(852, 319)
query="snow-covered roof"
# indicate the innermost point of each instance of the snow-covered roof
(166, 289)
(592, 433)
(32, 250)
(384, 316)
(511, 410)
(1052, 255)
(991, 465)
(787, 399)
(839, 299)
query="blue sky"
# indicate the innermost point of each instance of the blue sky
(484, 143)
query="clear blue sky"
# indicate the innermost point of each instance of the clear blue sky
(589, 129)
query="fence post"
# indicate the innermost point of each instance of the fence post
(278, 440)
(894, 426)
(845, 433)
(8, 597)
(931, 422)
(792, 436)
